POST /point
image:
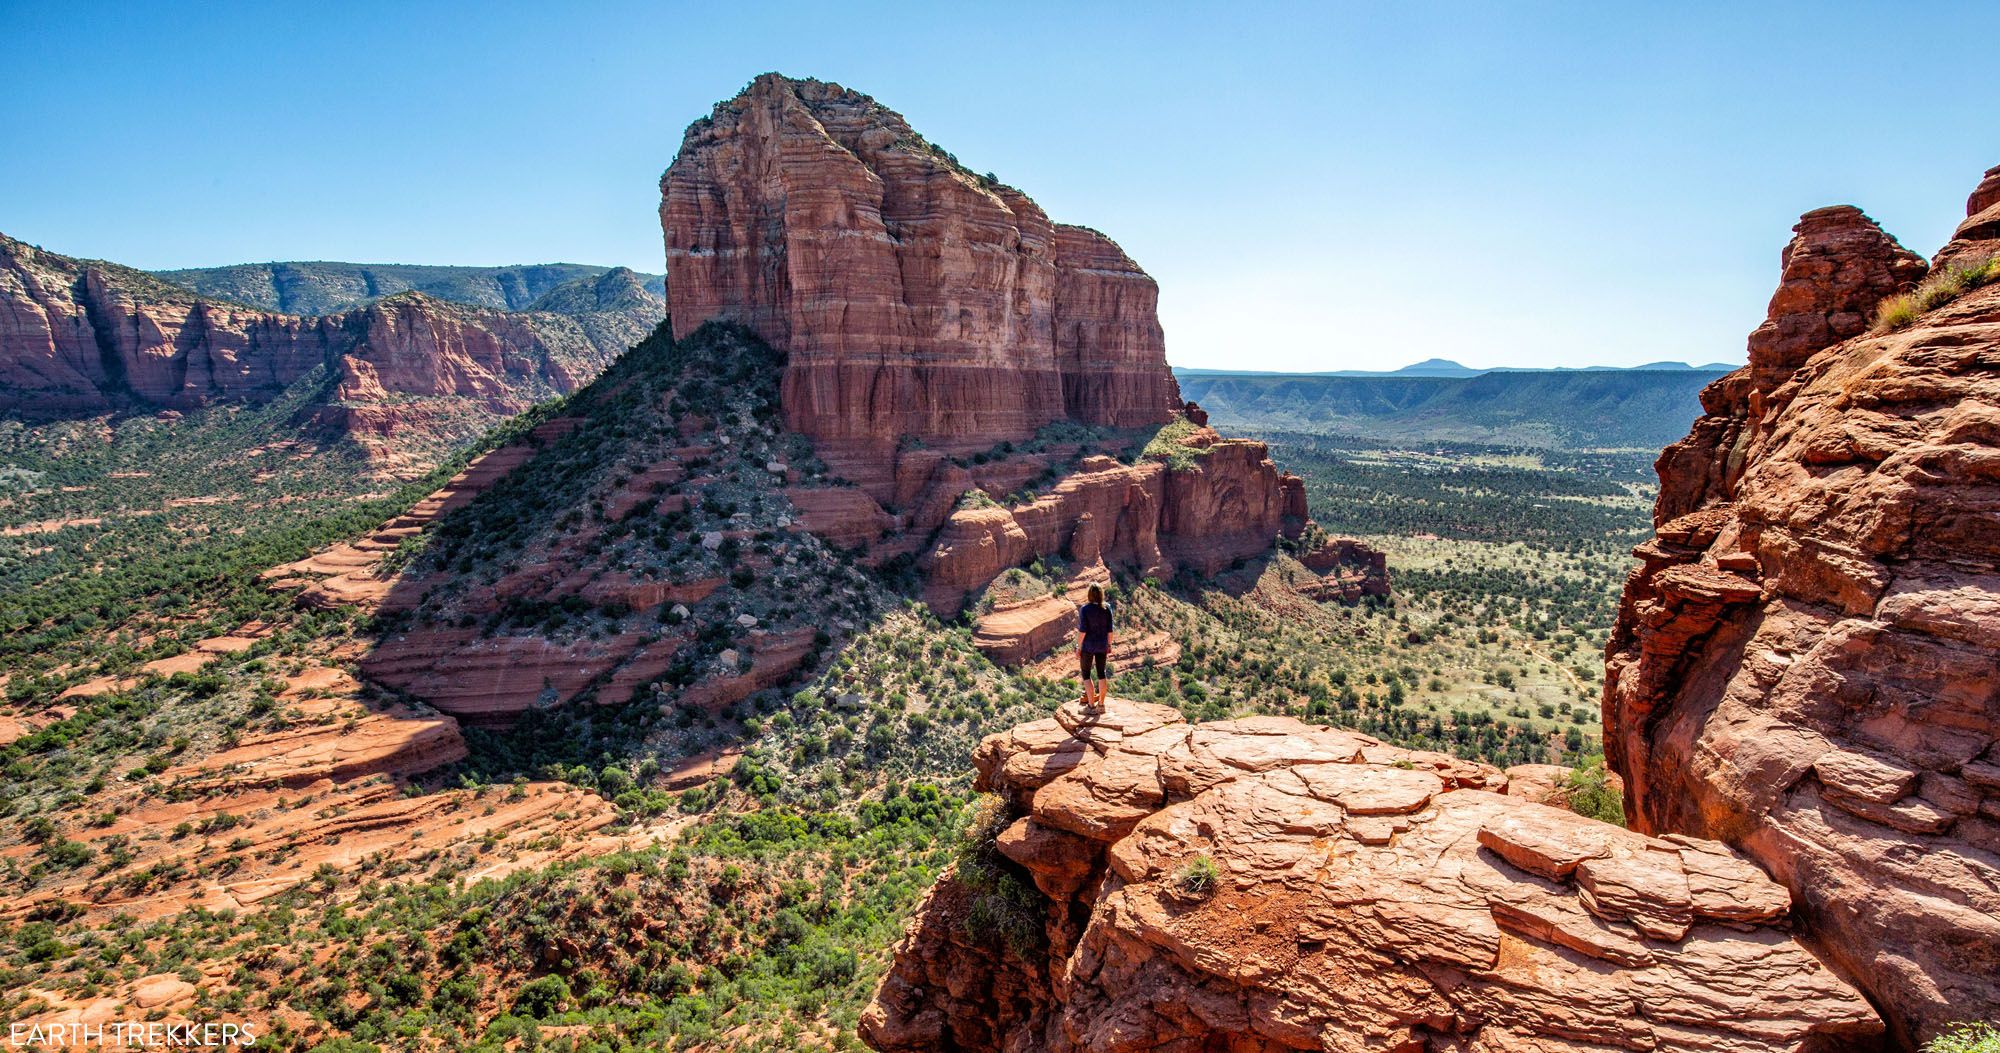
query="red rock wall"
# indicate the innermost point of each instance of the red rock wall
(74, 338)
(1807, 665)
(915, 299)
(81, 337)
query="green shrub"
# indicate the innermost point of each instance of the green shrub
(1966, 1037)
(1198, 877)
(1166, 445)
(1591, 794)
(543, 997)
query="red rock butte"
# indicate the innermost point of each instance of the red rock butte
(915, 299)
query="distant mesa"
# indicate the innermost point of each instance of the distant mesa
(1436, 367)
(1597, 409)
(1445, 367)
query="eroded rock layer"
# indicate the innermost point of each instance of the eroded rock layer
(85, 337)
(1230, 503)
(916, 300)
(1805, 664)
(1264, 885)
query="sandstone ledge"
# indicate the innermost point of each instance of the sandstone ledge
(1367, 898)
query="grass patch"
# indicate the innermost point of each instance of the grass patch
(1168, 444)
(1198, 877)
(1940, 288)
(1002, 908)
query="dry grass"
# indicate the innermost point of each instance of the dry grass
(1940, 288)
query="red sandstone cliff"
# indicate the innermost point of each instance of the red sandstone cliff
(81, 336)
(1260, 885)
(916, 300)
(1805, 665)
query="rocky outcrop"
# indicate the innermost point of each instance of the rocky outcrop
(1264, 885)
(1153, 516)
(85, 337)
(316, 794)
(1838, 266)
(1350, 569)
(1805, 664)
(1979, 236)
(916, 300)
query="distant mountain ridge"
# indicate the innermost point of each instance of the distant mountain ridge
(1445, 367)
(1644, 408)
(325, 287)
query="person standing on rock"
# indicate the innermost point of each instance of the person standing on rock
(1093, 648)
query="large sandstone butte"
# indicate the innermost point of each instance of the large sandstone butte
(1807, 665)
(916, 300)
(930, 317)
(81, 337)
(1358, 897)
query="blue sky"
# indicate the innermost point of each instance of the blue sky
(1315, 186)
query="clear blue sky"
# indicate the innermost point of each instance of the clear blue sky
(1316, 187)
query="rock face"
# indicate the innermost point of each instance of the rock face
(1805, 664)
(1264, 885)
(85, 337)
(916, 300)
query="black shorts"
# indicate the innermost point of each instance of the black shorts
(1085, 659)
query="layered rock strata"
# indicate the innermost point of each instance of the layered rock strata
(1805, 664)
(1264, 885)
(917, 301)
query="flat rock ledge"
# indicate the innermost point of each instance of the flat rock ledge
(1264, 884)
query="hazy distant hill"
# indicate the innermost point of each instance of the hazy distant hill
(325, 288)
(1562, 409)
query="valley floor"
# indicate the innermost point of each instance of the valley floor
(211, 817)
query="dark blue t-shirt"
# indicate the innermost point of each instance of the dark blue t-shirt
(1093, 620)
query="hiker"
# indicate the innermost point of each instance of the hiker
(1093, 622)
